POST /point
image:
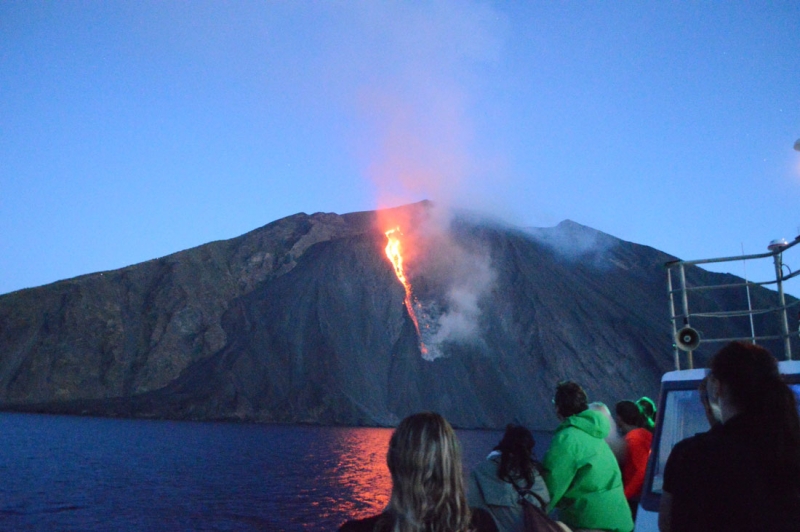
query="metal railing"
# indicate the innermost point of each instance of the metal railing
(688, 339)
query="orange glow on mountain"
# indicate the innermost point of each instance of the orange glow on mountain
(395, 254)
(394, 251)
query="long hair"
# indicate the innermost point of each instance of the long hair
(428, 494)
(516, 456)
(758, 390)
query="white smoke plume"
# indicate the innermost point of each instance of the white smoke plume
(573, 241)
(420, 71)
(462, 276)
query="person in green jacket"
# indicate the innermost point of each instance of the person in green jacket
(581, 473)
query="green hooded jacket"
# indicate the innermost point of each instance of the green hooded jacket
(583, 476)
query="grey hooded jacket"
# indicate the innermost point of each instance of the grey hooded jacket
(487, 491)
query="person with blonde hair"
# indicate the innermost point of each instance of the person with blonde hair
(428, 494)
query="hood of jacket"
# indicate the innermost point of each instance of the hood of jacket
(486, 489)
(591, 422)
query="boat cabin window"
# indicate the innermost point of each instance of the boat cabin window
(682, 416)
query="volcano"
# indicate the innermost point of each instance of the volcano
(305, 320)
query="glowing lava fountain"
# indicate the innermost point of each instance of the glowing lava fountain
(394, 250)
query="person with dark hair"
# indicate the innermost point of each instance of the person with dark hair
(580, 470)
(743, 474)
(428, 495)
(631, 421)
(495, 484)
(648, 408)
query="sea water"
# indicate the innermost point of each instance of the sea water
(65, 473)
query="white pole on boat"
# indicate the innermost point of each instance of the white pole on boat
(676, 353)
(749, 304)
(787, 345)
(685, 302)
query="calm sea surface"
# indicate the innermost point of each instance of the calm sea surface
(61, 473)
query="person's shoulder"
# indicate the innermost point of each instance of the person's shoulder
(740, 426)
(486, 468)
(592, 423)
(571, 429)
(641, 435)
(567, 440)
(713, 437)
(563, 433)
(700, 438)
(367, 524)
(491, 463)
(693, 446)
(685, 445)
(568, 425)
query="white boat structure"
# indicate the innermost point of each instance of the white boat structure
(680, 412)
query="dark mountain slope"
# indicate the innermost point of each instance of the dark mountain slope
(303, 321)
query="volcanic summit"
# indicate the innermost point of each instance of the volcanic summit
(308, 320)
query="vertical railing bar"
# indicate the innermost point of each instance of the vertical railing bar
(676, 352)
(685, 301)
(749, 303)
(787, 345)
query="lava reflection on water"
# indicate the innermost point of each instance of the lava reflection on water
(360, 470)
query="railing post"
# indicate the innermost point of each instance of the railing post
(787, 344)
(676, 352)
(749, 301)
(685, 301)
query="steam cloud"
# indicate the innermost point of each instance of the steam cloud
(573, 241)
(464, 276)
(414, 73)
(416, 95)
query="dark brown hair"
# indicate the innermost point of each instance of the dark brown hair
(516, 456)
(759, 392)
(630, 413)
(570, 398)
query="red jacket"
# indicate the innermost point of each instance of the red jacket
(638, 450)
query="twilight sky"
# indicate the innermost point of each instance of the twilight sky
(130, 130)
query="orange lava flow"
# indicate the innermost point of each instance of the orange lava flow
(394, 250)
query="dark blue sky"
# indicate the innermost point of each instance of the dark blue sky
(132, 130)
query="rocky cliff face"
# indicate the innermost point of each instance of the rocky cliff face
(304, 320)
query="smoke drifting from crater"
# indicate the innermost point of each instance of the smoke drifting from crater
(416, 96)
(575, 242)
(452, 281)
(460, 322)
(418, 143)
